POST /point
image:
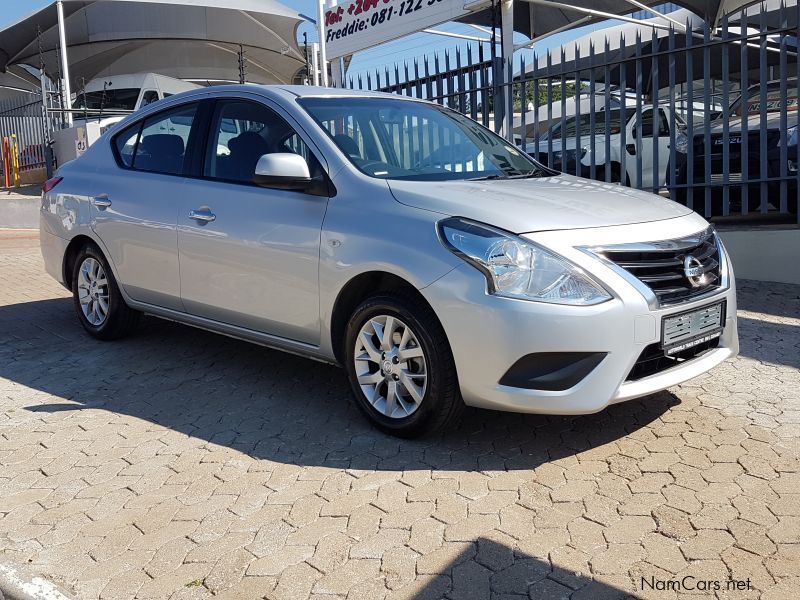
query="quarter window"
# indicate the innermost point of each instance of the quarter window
(126, 144)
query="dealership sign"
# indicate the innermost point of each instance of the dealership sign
(361, 24)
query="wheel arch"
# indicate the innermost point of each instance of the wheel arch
(358, 289)
(71, 254)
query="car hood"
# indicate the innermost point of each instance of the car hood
(539, 204)
(772, 121)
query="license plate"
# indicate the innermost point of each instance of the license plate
(692, 328)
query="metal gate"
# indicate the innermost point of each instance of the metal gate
(707, 116)
(29, 121)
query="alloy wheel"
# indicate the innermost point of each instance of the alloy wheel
(93, 291)
(390, 366)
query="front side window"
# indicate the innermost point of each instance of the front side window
(149, 97)
(241, 133)
(157, 145)
(400, 139)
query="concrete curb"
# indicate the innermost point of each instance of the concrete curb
(17, 583)
(19, 212)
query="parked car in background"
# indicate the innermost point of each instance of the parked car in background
(433, 260)
(568, 148)
(767, 151)
(124, 93)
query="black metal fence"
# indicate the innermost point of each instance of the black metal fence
(26, 116)
(707, 116)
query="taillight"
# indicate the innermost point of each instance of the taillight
(50, 184)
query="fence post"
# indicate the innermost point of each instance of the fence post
(6, 164)
(15, 160)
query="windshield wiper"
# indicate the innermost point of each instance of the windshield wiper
(489, 177)
(529, 175)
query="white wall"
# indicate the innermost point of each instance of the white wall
(765, 254)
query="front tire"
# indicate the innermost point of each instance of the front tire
(96, 297)
(400, 366)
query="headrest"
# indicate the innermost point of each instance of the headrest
(347, 144)
(248, 142)
(163, 144)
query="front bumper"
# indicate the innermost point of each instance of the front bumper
(488, 334)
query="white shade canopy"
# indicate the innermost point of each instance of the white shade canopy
(538, 18)
(186, 39)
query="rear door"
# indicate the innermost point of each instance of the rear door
(136, 204)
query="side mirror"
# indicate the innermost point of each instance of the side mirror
(283, 171)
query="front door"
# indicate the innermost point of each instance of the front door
(135, 206)
(654, 168)
(249, 256)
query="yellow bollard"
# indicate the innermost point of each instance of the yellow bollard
(15, 161)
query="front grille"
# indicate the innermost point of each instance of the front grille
(662, 266)
(732, 178)
(653, 360)
(773, 138)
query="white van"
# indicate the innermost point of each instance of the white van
(124, 93)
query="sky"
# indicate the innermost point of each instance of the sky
(405, 49)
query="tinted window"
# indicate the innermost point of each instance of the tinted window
(121, 99)
(126, 144)
(149, 97)
(400, 139)
(583, 124)
(162, 144)
(242, 132)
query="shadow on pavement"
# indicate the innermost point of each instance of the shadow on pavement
(270, 404)
(488, 569)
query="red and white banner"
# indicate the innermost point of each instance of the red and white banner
(361, 24)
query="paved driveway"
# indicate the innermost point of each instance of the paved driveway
(182, 464)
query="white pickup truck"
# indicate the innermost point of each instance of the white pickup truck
(572, 152)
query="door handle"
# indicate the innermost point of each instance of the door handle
(101, 201)
(202, 216)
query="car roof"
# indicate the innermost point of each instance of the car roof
(296, 91)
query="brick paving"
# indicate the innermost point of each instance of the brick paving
(182, 464)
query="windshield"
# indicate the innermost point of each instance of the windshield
(121, 99)
(776, 103)
(584, 124)
(400, 139)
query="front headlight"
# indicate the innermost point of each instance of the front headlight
(517, 268)
(682, 143)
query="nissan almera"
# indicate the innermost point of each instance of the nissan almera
(432, 260)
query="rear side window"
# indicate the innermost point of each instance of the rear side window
(159, 144)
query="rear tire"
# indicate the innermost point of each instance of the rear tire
(96, 298)
(403, 381)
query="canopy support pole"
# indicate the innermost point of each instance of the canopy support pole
(62, 39)
(315, 63)
(321, 29)
(507, 40)
(337, 71)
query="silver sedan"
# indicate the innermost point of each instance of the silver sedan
(438, 264)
